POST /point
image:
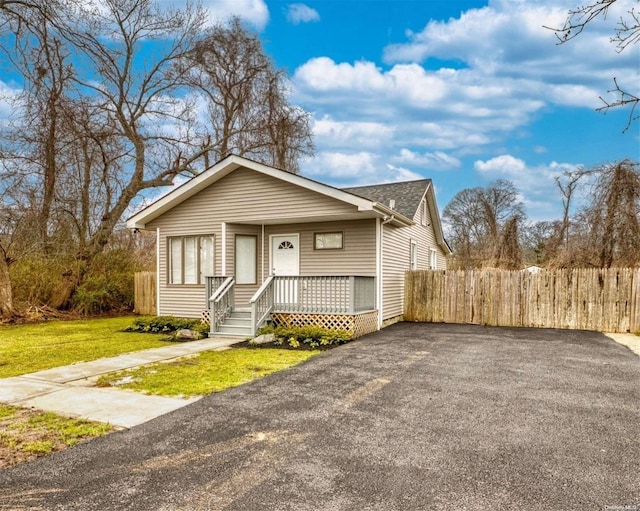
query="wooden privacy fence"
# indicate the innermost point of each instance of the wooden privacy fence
(144, 298)
(605, 300)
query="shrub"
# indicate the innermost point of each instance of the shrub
(166, 325)
(310, 336)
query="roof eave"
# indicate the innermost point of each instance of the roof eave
(393, 216)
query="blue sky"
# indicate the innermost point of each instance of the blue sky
(463, 92)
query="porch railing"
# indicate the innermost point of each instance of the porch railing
(330, 294)
(211, 284)
(261, 304)
(221, 301)
(334, 294)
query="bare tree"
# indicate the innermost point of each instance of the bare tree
(615, 214)
(626, 34)
(247, 100)
(508, 254)
(476, 218)
(109, 110)
(538, 241)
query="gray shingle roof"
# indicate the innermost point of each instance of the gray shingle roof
(407, 194)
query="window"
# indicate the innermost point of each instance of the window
(246, 259)
(424, 213)
(190, 259)
(327, 241)
(414, 255)
(433, 258)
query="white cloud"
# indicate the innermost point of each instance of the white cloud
(347, 134)
(339, 167)
(8, 94)
(301, 13)
(439, 110)
(351, 169)
(508, 38)
(437, 160)
(254, 12)
(536, 184)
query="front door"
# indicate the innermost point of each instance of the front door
(285, 261)
(285, 254)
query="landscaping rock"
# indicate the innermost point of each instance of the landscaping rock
(187, 335)
(263, 339)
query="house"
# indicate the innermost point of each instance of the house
(243, 243)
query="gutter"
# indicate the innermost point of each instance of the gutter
(391, 216)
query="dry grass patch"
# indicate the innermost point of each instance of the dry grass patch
(28, 434)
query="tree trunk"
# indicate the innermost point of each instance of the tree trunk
(6, 292)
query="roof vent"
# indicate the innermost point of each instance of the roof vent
(392, 203)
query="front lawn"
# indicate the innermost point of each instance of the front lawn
(34, 347)
(211, 371)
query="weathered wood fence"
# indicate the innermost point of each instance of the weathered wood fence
(606, 300)
(144, 298)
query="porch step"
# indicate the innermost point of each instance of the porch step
(238, 324)
(233, 331)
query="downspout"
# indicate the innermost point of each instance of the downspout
(223, 235)
(380, 272)
(262, 255)
(158, 280)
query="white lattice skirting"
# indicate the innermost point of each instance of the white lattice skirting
(356, 324)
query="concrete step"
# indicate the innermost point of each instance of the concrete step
(236, 314)
(237, 321)
(234, 330)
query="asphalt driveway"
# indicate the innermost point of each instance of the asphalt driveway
(415, 417)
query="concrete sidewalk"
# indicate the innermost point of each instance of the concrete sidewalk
(69, 391)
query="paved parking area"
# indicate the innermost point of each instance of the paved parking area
(415, 417)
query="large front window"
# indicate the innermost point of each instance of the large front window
(190, 259)
(246, 259)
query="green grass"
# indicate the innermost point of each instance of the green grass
(34, 347)
(211, 371)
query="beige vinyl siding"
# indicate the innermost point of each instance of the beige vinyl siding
(242, 197)
(358, 257)
(396, 259)
(426, 239)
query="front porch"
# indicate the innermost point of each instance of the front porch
(340, 302)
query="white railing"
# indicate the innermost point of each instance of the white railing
(325, 294)
(221, 301)
(261, 304)
(328, 294)
(211, 284)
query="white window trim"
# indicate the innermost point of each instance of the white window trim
(413, 255)
(200, 281)
(433, 258)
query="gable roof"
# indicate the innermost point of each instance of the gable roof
(233, 162)
(407, 195)
(373, 199)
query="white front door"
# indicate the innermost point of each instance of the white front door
(285, 261)
(285, 254)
